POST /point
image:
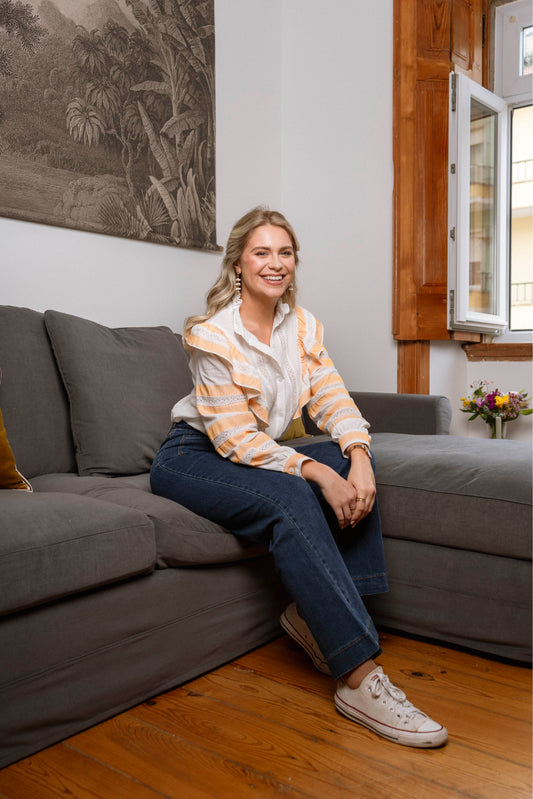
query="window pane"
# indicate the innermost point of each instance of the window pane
(526, 56)
(482, 207)
(522, 219)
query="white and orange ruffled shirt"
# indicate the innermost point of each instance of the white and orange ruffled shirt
(246, 394)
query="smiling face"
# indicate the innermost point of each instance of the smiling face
(266, 265)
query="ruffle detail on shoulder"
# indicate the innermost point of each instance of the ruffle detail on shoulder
(310, 333)
(212, 339)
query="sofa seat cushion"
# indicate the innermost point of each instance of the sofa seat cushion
(182, 537)
(56, 544)
(465, 493)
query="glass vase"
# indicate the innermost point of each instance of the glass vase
(497, 427)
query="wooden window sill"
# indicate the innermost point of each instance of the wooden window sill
(499, 352)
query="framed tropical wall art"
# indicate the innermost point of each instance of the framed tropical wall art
(107, 117)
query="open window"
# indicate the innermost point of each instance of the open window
(490, 187)
(477, 208)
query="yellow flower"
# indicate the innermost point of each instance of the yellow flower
(499, 401)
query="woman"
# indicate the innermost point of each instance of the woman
(256, 360)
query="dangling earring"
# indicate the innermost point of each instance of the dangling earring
(291, 286)
(238, 285)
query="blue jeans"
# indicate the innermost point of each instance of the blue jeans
(325, 569)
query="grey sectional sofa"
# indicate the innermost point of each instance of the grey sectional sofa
(109, 594)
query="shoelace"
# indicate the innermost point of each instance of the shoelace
(381, 683)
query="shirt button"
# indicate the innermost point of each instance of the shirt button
(292, 470)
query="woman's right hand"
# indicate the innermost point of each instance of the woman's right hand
(338, 492)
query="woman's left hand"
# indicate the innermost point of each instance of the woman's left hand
(361, 477)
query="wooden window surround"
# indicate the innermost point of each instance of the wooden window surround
(431, 38)
(499, 352)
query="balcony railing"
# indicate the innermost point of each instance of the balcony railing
(522, 171)
(521, 293)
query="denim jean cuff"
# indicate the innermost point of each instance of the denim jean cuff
(353, 656)
(374, 584)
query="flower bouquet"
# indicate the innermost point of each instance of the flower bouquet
(494, 407)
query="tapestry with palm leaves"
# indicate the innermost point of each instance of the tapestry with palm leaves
(107, 117)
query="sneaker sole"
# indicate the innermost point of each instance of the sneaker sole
(301, 641)
(419, 740)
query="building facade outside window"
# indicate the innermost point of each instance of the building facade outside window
(513, 80)
(521, 244)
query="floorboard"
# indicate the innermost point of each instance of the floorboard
(265, 726)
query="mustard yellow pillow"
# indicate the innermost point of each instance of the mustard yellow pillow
(296, 429)
(10, 477)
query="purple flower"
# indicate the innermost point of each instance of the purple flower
(490, 399)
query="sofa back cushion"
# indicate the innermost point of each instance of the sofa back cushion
(32, 397)
(121, 384)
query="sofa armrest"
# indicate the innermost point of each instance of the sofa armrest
(418, 414)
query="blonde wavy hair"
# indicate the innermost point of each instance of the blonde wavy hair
(223, 290)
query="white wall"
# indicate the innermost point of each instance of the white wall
(338, 177)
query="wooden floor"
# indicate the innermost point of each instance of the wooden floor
(265, 726)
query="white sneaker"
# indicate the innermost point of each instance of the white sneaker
(383, 708)
(296, 627)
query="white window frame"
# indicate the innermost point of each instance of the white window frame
(460, 315)
(508, 83)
